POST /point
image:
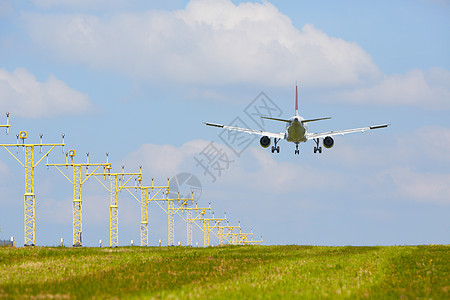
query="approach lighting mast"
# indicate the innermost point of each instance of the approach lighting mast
(190, 220)
(246, 241)
(148, 194)
(171, 211)
(77, 182)
(118, 181)
(242, 238)
(29, 164)
(207, 227)
(224, 231)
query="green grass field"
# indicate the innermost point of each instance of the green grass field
(237, 272)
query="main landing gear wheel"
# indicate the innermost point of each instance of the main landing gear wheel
(296, 149)
(276, 148)
(317, 148)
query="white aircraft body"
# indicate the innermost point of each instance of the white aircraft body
(297, 131)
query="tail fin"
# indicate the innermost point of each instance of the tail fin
(296, 99)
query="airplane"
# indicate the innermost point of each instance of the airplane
(296, 131)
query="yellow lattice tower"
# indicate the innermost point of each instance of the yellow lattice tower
(151, 194)
(242, 238)
(207, 227)
(235, 236)
(254, 242)
(118, 181)
(190, 219)
(77, 181)
(220, 230)
(223, 232)
(238, 238)
(171, 211)
(230, 229)
(7, 123)
(29, 164)
(147, 195)
(246, 241)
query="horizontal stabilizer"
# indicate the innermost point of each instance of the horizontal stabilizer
(312, 120)
(275, 119)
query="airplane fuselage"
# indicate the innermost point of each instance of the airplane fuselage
(296, 130)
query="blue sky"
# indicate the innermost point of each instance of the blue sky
(137, 79)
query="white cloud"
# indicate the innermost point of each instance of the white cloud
(279, 177)
(389, 159)
(22, 95)
(207, 42)
(162, 161)
(422, 187)
(165, 161)
(425, 89)
(427, 147)
(430, 143)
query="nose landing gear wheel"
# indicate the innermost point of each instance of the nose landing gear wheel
(296, 149)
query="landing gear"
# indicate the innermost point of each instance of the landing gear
(296, 149)
(317, 147)
(275, 147)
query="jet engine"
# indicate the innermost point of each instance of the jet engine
(264, 141)
(328, 142)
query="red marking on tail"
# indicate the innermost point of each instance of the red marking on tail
(296, 99)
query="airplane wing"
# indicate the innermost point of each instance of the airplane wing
(249, 131)
(342, 132)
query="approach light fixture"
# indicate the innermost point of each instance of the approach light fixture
(23, 135)
(72, 153)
